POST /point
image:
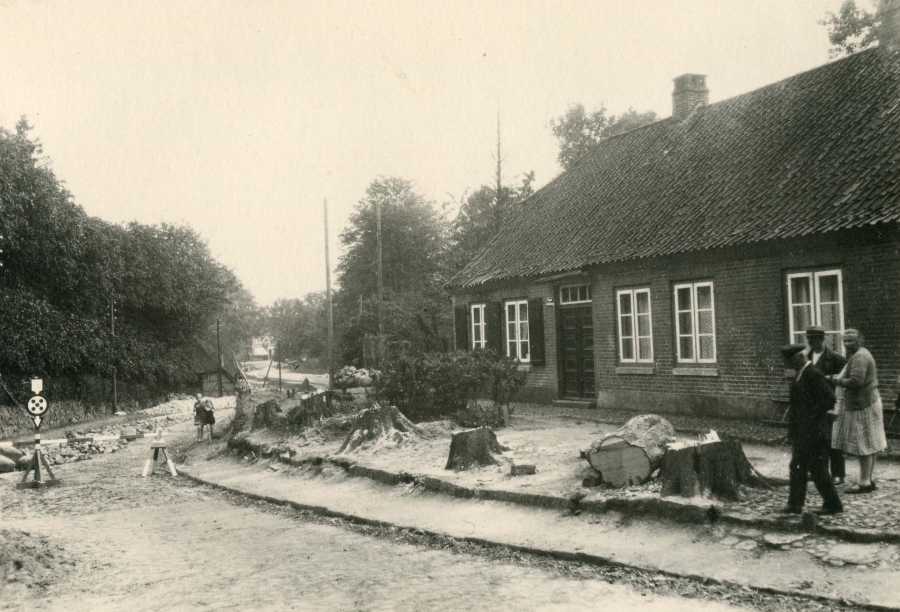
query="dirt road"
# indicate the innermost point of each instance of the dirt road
(116, 541)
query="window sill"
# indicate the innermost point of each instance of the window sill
(645, 370)
(698, 371)
(524, 367)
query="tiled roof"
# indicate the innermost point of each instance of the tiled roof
(814, 153)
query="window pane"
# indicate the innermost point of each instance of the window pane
(523, 331)
(828, 288)
(564, 295)
(831, 317)
(627, 327)
(642, 302)
(644, 348)
(802, 318)
(477, 334)
(833, 341)
(627, 348)
(476, 315)
(707, 351)
(704, 298)
(684, 298)
(800, 293)
(523, 312)
(524, 349)
(685, 323)
(686, 347)
(643, 325)
(799, 337)
(511, 350)
(510, 312)
(511, 332)
(705, 322)
(624, 304)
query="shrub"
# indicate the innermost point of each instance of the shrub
(439, 385)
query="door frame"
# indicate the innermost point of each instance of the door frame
(561, 349)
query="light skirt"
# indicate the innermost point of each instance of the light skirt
(860, 432)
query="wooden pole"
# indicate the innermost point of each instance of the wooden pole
(112, 324)
(330, 311)
(218, 358)
(278, 353)
(380, 270)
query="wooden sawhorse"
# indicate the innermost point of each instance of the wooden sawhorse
(156, 446)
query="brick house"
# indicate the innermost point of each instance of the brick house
(664, 270)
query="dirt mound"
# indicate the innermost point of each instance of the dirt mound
(28, 564)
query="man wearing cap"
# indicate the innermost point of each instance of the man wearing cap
(812, 402)
(829, 362)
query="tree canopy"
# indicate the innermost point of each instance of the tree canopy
(578, 131)
(853, 28)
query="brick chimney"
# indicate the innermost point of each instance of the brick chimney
(889, 29)
(690, 92)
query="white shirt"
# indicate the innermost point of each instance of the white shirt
(800, 373)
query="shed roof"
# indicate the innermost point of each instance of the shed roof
(817, 152)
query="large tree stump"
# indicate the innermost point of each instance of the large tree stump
(378, 422)
(630, 454)
(715, 469)
(474, 447)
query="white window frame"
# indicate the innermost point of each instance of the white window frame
(482, 326)
(816, 305)
(577, 300)
(634, 337)
(518, 326)
(695, 328)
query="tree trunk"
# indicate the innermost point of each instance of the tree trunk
(474, 447)
(377, 422)
(716, 469)
(630, 454)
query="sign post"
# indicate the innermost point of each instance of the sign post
(37, 406)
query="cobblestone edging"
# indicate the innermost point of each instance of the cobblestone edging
(562, 555)
(669, 509)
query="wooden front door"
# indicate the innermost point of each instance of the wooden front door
(578, 352)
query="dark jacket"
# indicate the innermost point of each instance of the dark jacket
(811, 399)
(830, 363)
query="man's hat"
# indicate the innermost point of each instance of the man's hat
(815, 330)
(792, 349)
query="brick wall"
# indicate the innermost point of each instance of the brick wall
(750, 289)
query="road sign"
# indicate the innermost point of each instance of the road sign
(37, 406)
(37, 385)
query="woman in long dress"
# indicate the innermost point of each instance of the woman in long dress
(859, 430)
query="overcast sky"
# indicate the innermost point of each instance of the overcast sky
(238, 118)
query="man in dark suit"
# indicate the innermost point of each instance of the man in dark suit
(829, 363)
(812, 404)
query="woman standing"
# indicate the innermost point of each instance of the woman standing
(860, 427)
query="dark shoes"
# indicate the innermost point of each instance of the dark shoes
(828, 511)
(791, 510)
(857, 489)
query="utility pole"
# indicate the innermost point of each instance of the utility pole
(112, 325)
(380, 269)
(278, 353)
(218, 358)
(498, 209)
(330, 311)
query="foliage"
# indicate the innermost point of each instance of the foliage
(482, 215)
(299, 325)
(853, 28)
(435, 385)
(578, 131)
(62, 269)
(414, 245)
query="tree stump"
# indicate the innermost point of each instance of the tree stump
(716, 469)
(474, 447)
(377, 422)
(630, 454)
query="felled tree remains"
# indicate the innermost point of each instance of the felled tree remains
(629, 455)
(716, 469)
(376, 423)
(474, 448)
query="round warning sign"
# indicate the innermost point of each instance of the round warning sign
(37, 405)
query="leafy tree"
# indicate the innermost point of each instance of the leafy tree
(853, 28)
(414, 254)
(299, 325)
(578, 131)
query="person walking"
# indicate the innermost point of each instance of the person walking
(809, 429)
(829, 362)
(199, 416)
(860, 426)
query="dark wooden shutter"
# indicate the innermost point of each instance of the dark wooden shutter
(494, 320)
(536, 330)
(461, 319)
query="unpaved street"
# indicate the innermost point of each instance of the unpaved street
(121, 542)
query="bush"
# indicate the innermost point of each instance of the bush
(439, 385)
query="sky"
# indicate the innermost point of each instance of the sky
(239, 118)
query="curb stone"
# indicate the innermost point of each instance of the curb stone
(670, 509)
(577, 557)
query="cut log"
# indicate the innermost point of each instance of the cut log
(378, 422)
(632, 453)
(474, 447)
(717, 469)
